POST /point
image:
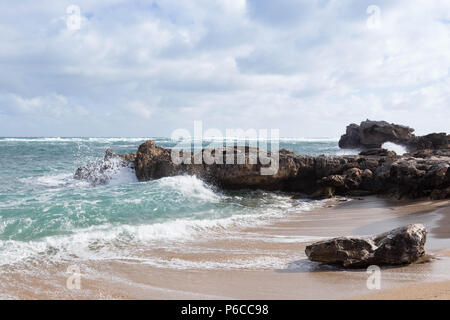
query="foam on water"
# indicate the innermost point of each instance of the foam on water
(190, 187)
(105, 241)
(47, 215)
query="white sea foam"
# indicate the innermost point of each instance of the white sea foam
(105, 241)
(398, 149)
(262, 262)
(110, 170)
(54, 180)
(189, 187)
(124, 175)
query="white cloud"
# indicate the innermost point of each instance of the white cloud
(306, 67)
(140, 109)
(51, 106)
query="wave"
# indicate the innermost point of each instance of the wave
(119, 241)
(398, 149)
(110, 170)
(189, 187)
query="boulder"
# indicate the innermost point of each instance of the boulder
(400, 246)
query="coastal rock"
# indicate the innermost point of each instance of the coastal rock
(372, 134)
(399, 246)
(434, 141)
(352, 138)
(378, 152)
(413, 175)
(153, 162)
(417, 174)
(428, 153)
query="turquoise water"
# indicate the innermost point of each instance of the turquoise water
(44, 211)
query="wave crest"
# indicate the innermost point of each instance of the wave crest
(189, 187)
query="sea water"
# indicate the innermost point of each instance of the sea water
(46, 214)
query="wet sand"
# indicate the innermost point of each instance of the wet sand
(263, 262)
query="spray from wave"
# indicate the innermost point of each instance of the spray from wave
(398, 149)
(111, 169)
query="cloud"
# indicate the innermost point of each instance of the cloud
(52, 106)
(140, 109)
(148, 67)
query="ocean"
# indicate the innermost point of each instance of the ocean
(48, 216)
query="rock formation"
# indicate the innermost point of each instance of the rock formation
(372, 134)
(400, 246)
(423, 173)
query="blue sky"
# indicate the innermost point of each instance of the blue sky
(146, 68)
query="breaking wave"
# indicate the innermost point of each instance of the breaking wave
(398, 149)
(49, 214)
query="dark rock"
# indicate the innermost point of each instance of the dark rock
(397, 247)
(335, 181)
(440, 194)
(372, 134)
(320, 177)
(434, 141)
(323, 193)
(378, 152)
(427, 153)
(352, 138)
(420, 173)
(375, 133)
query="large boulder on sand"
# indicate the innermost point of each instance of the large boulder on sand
(400, 246)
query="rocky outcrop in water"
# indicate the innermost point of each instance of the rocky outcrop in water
(373, 134)
(418, 174)
(154, 162)
(415, 175)
(400, 246)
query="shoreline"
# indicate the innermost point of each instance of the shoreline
(298, 279)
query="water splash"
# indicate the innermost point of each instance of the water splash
(111, 168)
(398, 149)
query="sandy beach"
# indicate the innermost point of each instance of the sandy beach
(209, 273)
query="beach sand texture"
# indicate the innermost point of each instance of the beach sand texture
(208, 275)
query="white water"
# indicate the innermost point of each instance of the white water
(48, 216)
(398, 149)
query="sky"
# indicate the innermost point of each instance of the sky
(146, 68)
